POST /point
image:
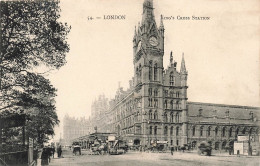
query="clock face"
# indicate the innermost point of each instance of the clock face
(139, 46)
(153, 41)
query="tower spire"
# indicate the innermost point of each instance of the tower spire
(148, 15)
(171, 58)
(161, 23)
(183, 67)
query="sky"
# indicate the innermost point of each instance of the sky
(221, 54)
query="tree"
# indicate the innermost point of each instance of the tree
(32, 38)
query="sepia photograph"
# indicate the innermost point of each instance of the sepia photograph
(129, 82)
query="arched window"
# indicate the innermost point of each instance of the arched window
(165, 104)
(244, 131)
(155, 102)
(177, 94)
(155, 115)
(137, 74)
(171, 131)
(209, 131)
(171, 94)
(140, 70)
(171, 117)
(171, 104)
(155, 130)
(150, 70)
(224, 132)
(151, 129)
(165, 130)
(165, 117)
(150, 114)
(177, 105)
(193, 131)
(150, 91)
(216, 131)
(155, 71)
(177, 131)
(150, 102)
(250, 131)
(171, 79)
(177, 118)
(230, 132)
(156, 92)
(201, 131)
(237, 132)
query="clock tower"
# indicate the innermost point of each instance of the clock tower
(148, 47)
(148, 51)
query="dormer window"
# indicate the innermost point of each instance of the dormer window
(251, 115)
(227, 113)
(200, 112)
(215, 113)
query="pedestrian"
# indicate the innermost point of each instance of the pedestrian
(45, 157)
(60, 151)
(49, 149)
(53, 151)
(58, 154)
(172, 149)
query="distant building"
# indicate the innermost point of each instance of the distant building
(156, 108)
(99, 118)
(74, 128)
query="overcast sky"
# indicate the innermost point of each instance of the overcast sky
(221, 54)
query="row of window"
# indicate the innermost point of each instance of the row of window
(224, 132)
(125, 110)
(174, 118)
(227, 114)
(177, 105)
(153, 130)
(177, 94)
(150, 93)
(152, 102)
(153, 74)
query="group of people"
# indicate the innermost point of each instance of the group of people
(49, 152)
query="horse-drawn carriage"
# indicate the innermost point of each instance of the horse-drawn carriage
(204, 148)
(76, 148)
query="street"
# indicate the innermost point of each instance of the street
(150, 159)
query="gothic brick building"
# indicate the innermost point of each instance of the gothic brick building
(156, 107)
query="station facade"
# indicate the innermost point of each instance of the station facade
(155, 107)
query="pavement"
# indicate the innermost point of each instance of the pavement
(154, 159)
